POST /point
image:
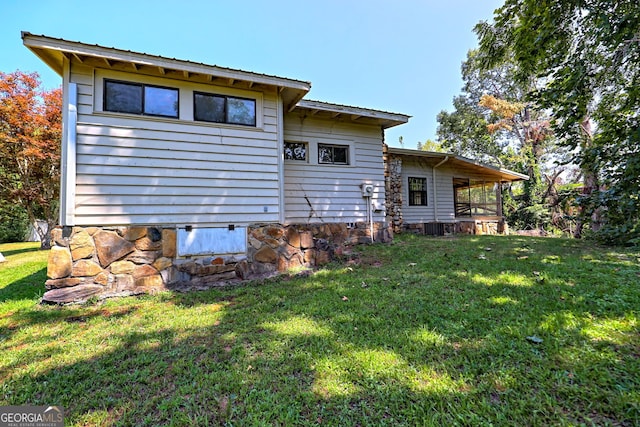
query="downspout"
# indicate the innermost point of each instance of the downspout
(68, 149)
(280, 119)
(370, 214)
(435, 188)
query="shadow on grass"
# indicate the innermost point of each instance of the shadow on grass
(28, 287)
(407, 345)
(10, 252)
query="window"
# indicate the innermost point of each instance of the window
(224, 109)
(138, 98)
(417, 191)
(295, 151)
(476, 198)
(333, 154)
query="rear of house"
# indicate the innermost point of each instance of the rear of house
(176, 173)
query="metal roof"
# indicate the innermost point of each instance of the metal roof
(53, 51)
(384, 118)
(462, 162)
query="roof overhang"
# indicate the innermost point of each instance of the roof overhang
(53, 51)
(462, 163)
(355, 114)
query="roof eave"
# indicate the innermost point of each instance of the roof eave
(504, 173)
(383, 118)
(52, 51)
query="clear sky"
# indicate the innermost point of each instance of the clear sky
(401, 56)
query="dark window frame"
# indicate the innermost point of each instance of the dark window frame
(142, 107)
(306, 151)
(422, 192)
(226, 110)
(333, 147)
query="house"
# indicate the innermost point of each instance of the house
(181, 174)
(443, 193)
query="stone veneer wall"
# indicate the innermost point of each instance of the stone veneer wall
(393, 189)
(100, 262)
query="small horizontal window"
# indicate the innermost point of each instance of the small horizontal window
(138, 98)
(333, 154)
(224, 109)
(417, 191)
(295, 151)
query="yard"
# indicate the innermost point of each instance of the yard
(426, 331)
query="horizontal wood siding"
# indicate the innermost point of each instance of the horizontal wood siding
(444, 188)
(332, 193)
(145, 170)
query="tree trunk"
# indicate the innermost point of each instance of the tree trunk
(43, 234)
(590, 182)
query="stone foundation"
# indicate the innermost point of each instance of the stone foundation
(475, 227)
(101, 262)
(482, 227)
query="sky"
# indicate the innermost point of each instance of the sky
(401, 56)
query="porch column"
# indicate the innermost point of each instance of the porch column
(499, 199)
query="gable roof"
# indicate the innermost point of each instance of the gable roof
(54, 50)
(462, 163)
(355, 114)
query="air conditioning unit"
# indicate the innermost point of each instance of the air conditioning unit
(367, 190)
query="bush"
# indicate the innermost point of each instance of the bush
(14, 223)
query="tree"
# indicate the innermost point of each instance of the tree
(494, 122)
(465, 131)
(588, 55)
(30, 134)
(430, 145)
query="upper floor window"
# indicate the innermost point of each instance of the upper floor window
(295, 151)
(417, 191)
(224, 109)
(333, 154)
(139, 98)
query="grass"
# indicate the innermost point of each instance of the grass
(426, 331)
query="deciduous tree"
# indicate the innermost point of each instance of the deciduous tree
(588, 54)
(30, 132)
(494, 122)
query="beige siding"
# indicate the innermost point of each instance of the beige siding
(146, 170)
(444, 188)
(332, 193)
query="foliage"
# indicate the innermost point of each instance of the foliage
(588, 53)
(14, 223)
(426, 331)
(30, 132)
(465, 130)
(430, 145)
(494, 122)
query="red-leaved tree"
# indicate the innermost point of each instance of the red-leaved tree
(30, 134)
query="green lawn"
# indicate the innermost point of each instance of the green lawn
(447, 331)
